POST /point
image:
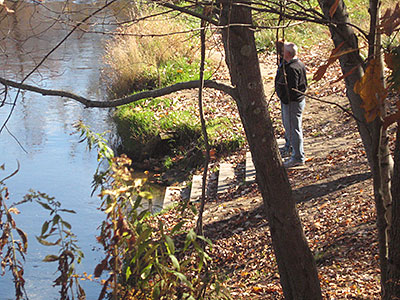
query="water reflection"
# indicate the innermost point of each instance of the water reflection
(55, 163)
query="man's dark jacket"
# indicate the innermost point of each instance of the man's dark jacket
(296, 79)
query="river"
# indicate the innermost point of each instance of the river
(39, 133)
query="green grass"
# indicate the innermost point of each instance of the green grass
(182, 69)
(158, 127)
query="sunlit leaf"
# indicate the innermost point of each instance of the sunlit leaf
(170, 244)
(8, 10)
(110, 208)
(128, 273)
(14, 210)
(371, 90)
(175, 262)
(146, 195)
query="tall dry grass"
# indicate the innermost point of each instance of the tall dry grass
(134, 57)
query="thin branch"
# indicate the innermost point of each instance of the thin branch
(16, 139)
(125, 100)
(187, 11)
(316, 17)
(199, 226)
(329, 102)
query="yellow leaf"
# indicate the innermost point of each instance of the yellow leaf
(108, 193)
(257, 289)
(371, 90)
(139, 182)
(146, 195)
(14, 210)
(244, 274)
(110, 208)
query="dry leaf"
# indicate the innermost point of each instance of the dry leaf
(371, 90)
(390, 20)
(332, 58)
(14, 210)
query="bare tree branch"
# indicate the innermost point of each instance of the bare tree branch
(125, 100)
(330, 102)
(187, 11)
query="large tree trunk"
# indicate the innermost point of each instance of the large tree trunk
(393, 278)
(372, 135)
(296, 264)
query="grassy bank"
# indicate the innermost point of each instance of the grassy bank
(169, 129)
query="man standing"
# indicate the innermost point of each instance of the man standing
(291, 76)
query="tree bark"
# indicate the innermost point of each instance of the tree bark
(297, 268)
(393, 278)
(373, 136)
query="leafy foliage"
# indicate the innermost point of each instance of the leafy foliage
(12, 249)
(57, 232)
(145, 260)
(104, 151)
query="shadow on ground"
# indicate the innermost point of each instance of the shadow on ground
(314, 191)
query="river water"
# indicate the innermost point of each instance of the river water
(38, 134)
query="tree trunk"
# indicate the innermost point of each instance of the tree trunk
(393, 278)
(297, 268)
(373, 137)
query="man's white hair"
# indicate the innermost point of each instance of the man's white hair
(291, 48)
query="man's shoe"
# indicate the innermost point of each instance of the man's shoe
(285, 152)
(290, 163)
